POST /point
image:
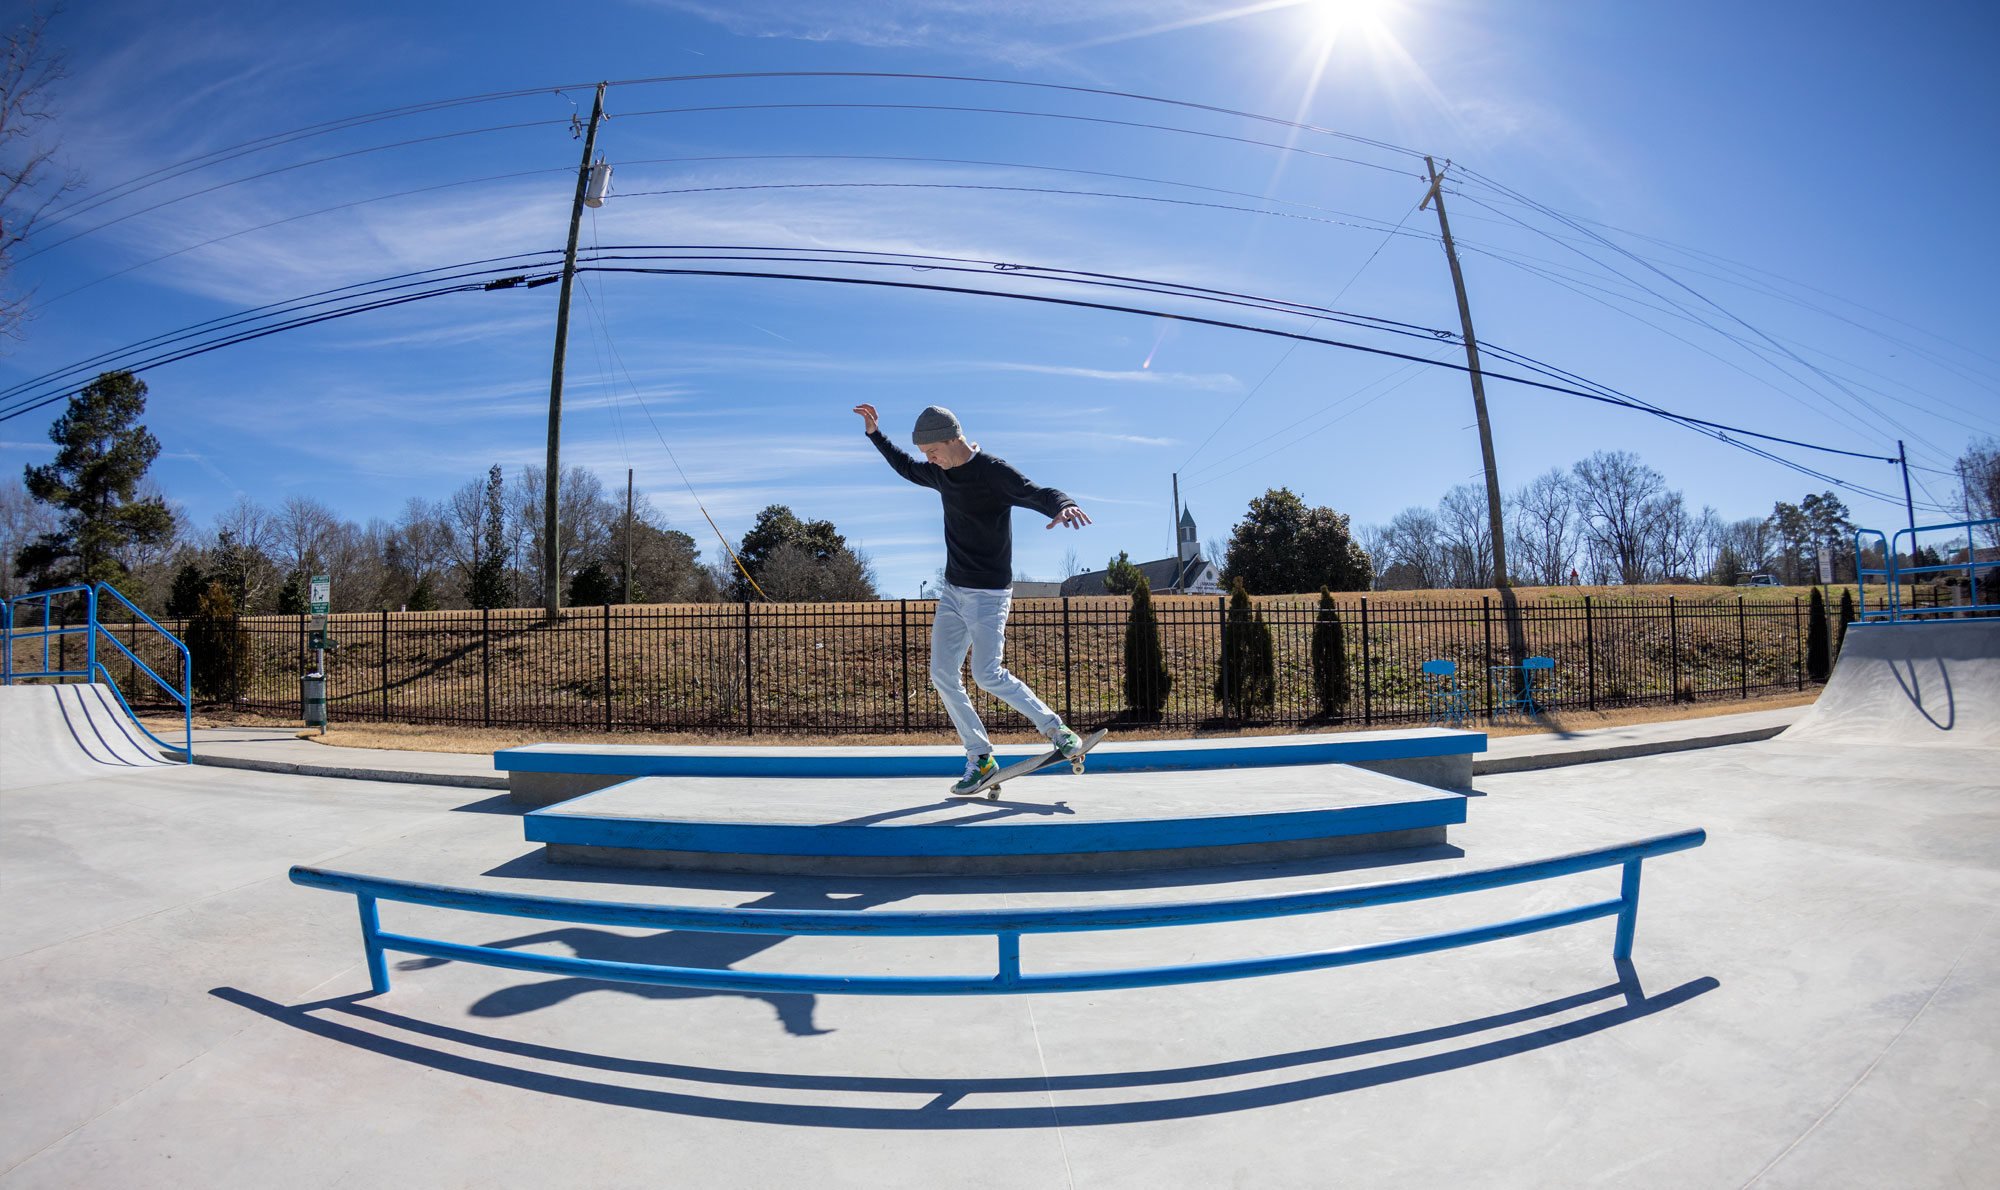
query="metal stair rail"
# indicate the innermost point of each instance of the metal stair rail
(1006, 926)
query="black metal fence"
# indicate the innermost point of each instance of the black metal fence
(838, 668)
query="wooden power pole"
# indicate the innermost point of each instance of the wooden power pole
(551, 551)
(1436, 195)
(628, 535)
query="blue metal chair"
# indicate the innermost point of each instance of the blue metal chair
(1442, 691)
(1532, 688)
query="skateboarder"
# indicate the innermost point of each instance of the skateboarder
(980, 493)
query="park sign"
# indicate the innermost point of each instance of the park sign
(321, 594)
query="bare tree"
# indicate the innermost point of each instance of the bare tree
(1413, 551)
(298, 533)
(1072, 565)
(32, 178)
(22, 520)
(1544, 525)
(251, 538)
(1465, 532)
(1612, 489)
(1673, 539)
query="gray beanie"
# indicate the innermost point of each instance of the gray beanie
(936, 424)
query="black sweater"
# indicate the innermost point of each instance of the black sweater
(979, 498)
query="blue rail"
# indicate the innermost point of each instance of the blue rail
(94, 669)
(1005, 925)
(1894, 573)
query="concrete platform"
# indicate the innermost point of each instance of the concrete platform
(902, 826)
(544, 774)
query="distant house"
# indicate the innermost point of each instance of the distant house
(1188, 574)
(1030, 589)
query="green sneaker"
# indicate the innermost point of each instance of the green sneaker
(976, 773)
(1066, 742)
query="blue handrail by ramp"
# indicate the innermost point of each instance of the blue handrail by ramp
(93, 668)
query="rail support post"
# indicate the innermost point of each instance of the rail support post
(1628, 914)
(1010, 958)
(378, 967)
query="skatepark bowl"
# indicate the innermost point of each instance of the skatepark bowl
(1811, 1001)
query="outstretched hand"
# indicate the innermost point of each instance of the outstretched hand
(867, 413)
(1072, 516)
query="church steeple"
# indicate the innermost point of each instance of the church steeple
(1190, 540)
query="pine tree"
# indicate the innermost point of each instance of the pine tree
(591, 586)
(185, 594)
(1329, 659)
(1147, 679)
(1819, 660)
(216, 647)
(292, 596)
(94, 480)
(1846, 617)
(488, 587)
(422, 598)
(1247, 678)
(1121, 577)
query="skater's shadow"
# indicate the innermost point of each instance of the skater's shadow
(669, 948)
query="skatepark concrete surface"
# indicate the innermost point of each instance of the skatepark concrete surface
(76, 730)
(1811, 1003)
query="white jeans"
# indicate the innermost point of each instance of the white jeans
(975, 621)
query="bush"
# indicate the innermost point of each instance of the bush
(1147, 680)
(1247, 678)
(1846, 617)
(1329, 659)
(1819, 658)
(217, 648)
(590, 587)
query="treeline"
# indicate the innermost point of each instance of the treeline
(92, 514)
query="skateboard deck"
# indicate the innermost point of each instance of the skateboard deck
(1021, 768)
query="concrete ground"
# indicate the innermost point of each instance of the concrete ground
(1812, 1004)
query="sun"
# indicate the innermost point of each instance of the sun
(1333, 18)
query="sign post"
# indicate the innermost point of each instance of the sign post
(313, 685)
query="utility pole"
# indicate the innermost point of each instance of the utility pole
(1909, 505)
(1436, 195)
(628, 535)
(551, 553)
(1177, 517)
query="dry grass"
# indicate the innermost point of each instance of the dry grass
(407, 737)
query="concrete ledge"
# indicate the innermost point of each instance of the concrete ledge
(994, 865)
(1441, 772)
(400, 776)
(1588, 752)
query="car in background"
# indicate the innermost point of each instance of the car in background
(1760, 580)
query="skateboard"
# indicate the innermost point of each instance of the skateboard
(1021, 768)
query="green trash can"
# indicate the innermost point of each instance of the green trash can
(312, 695)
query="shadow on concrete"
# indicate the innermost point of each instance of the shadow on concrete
(1913, 689)
(668, 948)
(499, 803)
(535, 866)
(989, 809)
(944, 1106)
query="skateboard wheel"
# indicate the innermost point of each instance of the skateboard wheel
(1076, 766)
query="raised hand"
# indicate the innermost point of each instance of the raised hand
(1072, 516)
(867, 413)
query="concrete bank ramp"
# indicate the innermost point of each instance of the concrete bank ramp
(1927, 683)
(67, 733)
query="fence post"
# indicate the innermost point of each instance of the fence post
(1590, 650)
(1674, 649)
(607, 667)
(1799, 647)
(1069, 703)
(486, 666)
(1742, 653)
(383, 658)
(1222, 610)
(1367, 670)
(1486, 617)
(903, 624)
(749, 719)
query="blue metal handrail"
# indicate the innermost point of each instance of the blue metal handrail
(1893, 571)
(7, 671)
(184, 696)
(90, 630)
(1006, 925)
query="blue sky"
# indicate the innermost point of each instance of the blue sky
(1801, 189)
